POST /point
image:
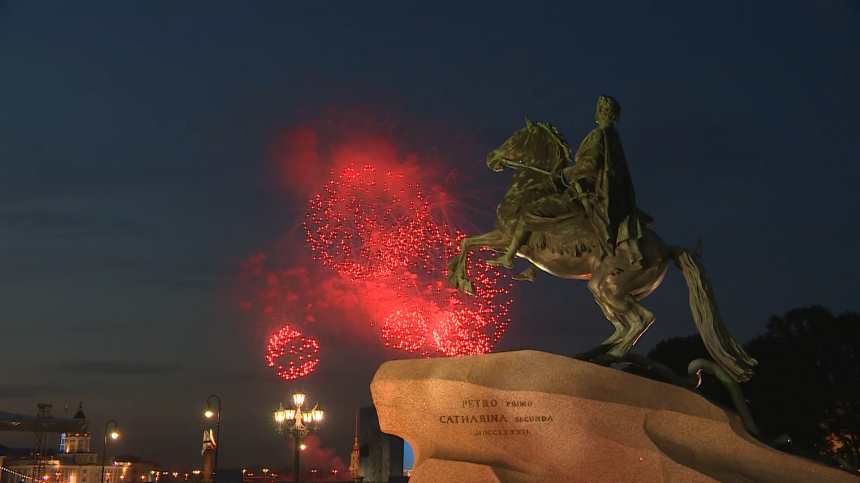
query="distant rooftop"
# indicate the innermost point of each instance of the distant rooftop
(21, 422)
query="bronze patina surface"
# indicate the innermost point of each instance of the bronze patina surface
(580, 221)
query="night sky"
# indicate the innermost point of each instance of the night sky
(141, 152)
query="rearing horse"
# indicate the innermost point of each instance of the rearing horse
(566, 247)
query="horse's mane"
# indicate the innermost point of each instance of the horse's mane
(543, 143)
(558, 138)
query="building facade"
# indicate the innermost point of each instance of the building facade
(380, 454)
(75, 463)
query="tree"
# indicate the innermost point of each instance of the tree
(807, 383)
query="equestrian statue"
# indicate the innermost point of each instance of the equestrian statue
(581, 222)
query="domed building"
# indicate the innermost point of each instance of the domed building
(75, 463)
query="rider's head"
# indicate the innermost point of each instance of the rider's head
(608, 111)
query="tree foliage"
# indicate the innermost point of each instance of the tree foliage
(808, 380)
(807, 383)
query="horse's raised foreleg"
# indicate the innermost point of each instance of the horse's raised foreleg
(457, 270)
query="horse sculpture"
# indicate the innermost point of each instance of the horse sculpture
(563, 244)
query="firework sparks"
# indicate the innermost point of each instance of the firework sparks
(405, 330)
(375, 228)
(288, 340)
(363, 227)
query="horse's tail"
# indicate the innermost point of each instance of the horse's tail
(725, 350)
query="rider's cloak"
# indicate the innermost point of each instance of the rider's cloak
(603, 183)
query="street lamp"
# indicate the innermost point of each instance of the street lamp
(113, 435)
(298, 424)
(209, 414)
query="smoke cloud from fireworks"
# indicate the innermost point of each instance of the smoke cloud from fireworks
(314, 456)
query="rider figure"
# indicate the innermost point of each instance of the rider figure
(601, 181)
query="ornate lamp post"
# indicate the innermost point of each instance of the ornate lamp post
(299, 424)
(113, 435)
(208, 413)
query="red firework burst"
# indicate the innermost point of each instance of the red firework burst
(282, 342)
(460, 332)
(454, 323)
(375, 227)
(364, 225)
(405, 330)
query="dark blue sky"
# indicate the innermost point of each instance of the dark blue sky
(135, 176)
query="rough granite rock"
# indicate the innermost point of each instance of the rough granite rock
(528, 417)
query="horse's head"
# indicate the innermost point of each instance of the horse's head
(538, 145)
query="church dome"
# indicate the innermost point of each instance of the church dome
(80, 413)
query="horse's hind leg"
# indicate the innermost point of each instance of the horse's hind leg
(614, 293)
(620, 323)
(641, 318)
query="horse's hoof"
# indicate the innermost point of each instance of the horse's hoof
(593, 353)
(463, 284)
(606, 360)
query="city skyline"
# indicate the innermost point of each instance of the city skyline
(148, 150)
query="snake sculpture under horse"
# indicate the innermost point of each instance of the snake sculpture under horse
(566, 247)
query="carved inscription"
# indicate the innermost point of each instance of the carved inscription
(507, 417)
(501, 432)
(481, 418)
